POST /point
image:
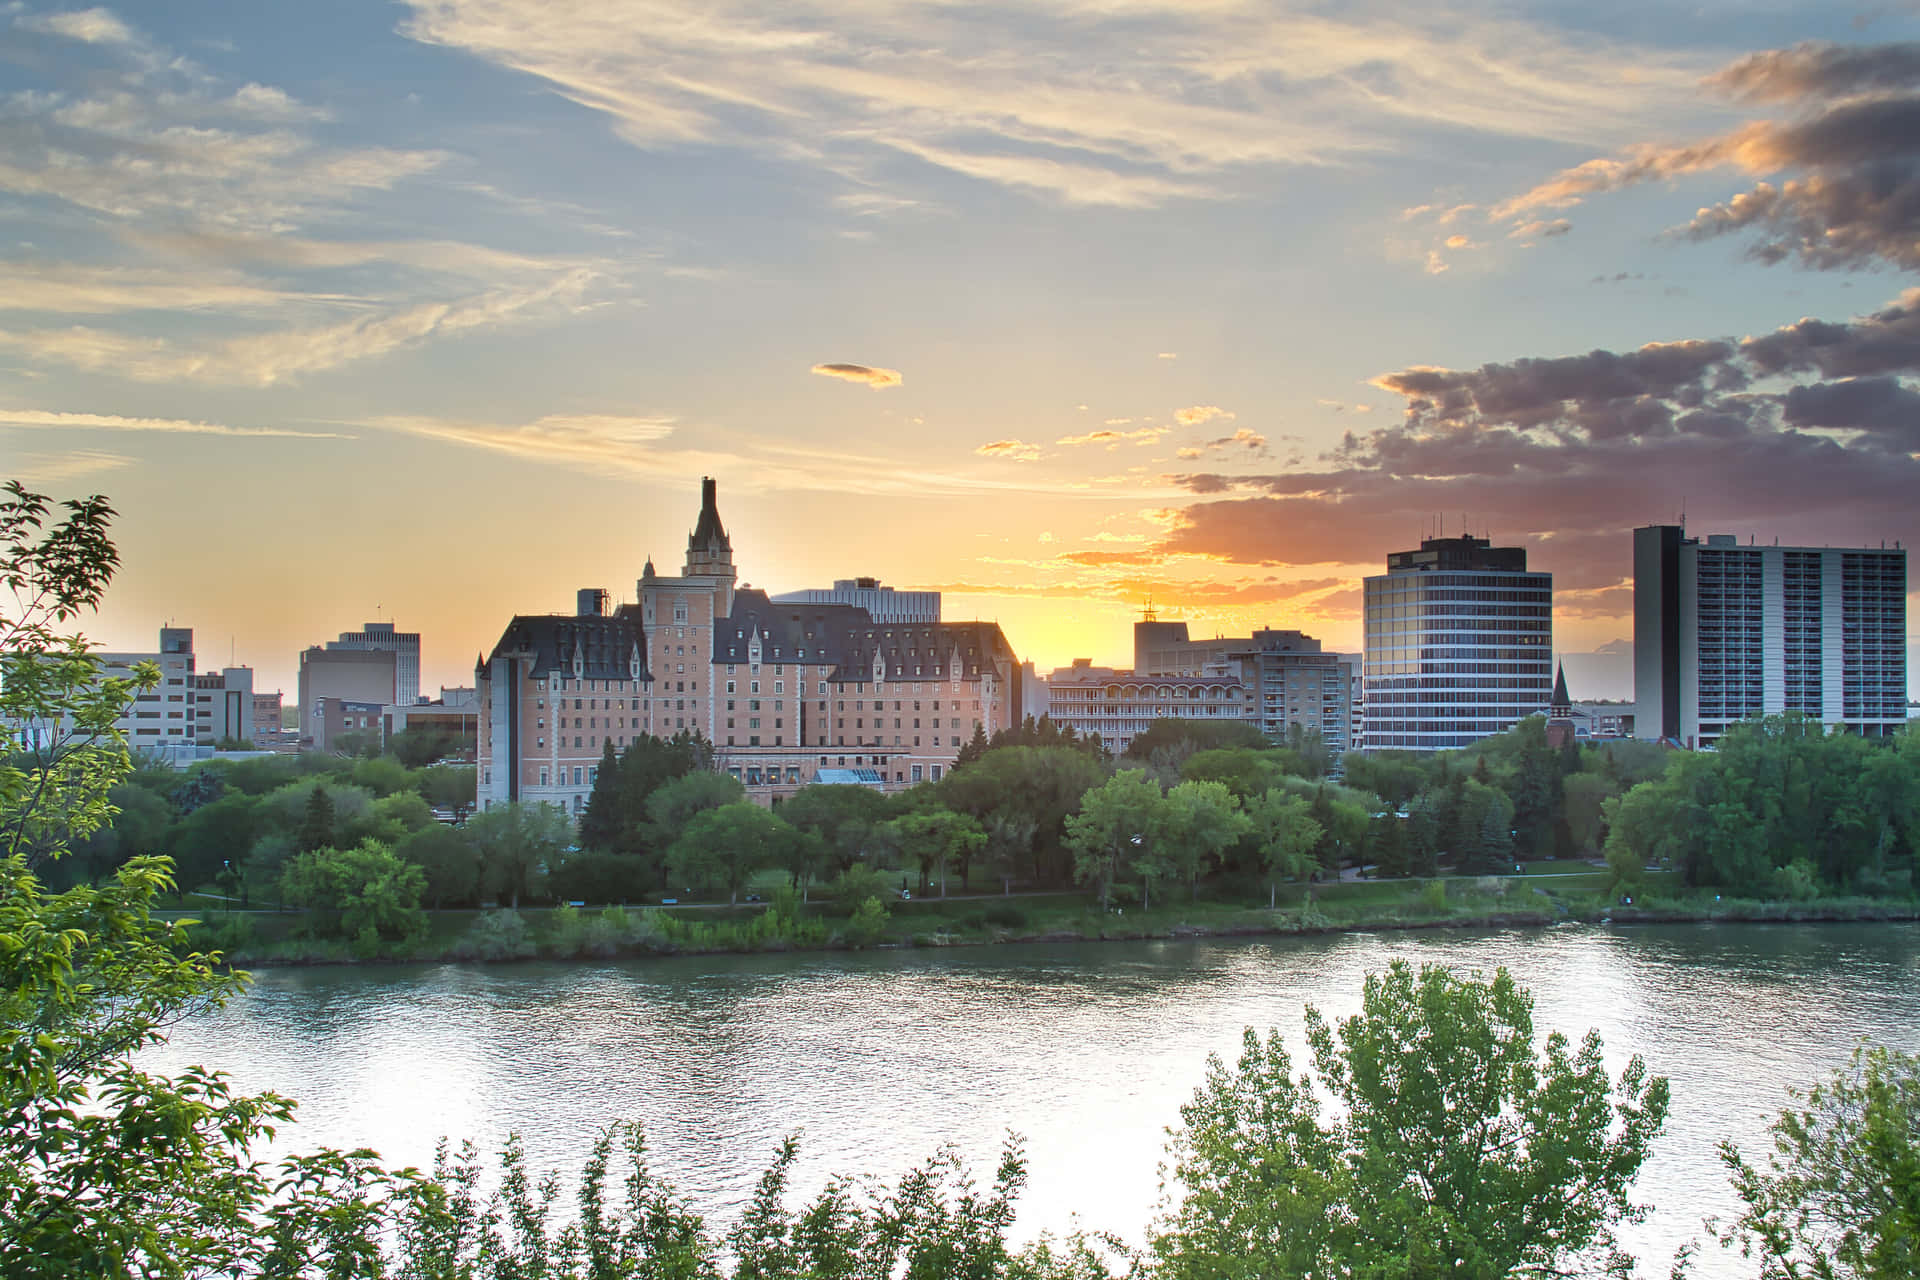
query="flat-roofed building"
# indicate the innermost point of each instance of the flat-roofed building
(188, 707)
(1459, 645)
(1119, 706)
(350, 675)
(1724, 632)
(883, 604)
(1287, 677)
(403, 645)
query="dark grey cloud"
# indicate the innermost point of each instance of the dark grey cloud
(1888, 341)
(1815, 69)
(1839, 175)
(1850, 220)
(1882, 406)
(1566, 454)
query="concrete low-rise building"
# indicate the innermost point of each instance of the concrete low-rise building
(1119, 706)
(188, 708)
(343, 675)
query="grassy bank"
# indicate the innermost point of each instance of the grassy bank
(265, 938)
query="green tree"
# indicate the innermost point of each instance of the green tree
(316, 829)
(449, 862)
(1245, 771)
(61, 753)
(448, 786)
(1009, 846)
(936, 840)
(976, 746)
(518, 844)
(725, 846)
(675, 803)
(1115, 821)
(1839, 1196)
(1284, 831)
(1460, 1147)
(845, 816)
(213, 836)
(1584, 798)
(1200, 822)
(105, 1169)
(364, 893)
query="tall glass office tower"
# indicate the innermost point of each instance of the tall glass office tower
(1459, 645)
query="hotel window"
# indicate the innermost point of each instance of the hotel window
(543, 777)
(576, 775)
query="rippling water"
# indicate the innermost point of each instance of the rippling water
(1085, 1050)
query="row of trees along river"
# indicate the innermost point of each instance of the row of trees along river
(1196, 815)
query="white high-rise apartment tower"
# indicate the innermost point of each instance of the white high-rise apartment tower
(1723, 632)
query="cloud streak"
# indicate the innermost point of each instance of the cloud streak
(1014, 450)
(51, 420)
(275, 358)
(868, 375)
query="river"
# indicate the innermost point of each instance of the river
(1086, 1050)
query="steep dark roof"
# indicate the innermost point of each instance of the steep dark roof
(1560, 698)
(848, 638)
(605, 644)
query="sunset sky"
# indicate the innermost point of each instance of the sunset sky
(437, 311)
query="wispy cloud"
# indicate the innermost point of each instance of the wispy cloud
(269, 359)
(52, 420)
(1016, 450)
(866, 374)
(1113, 439)
(87, 290)
(648, 448)
(1126, 106)
(48, 469)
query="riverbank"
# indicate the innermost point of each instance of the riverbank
(256, 939)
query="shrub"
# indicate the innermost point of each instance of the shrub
(497, 935)
(869, 922)
(1433, 895)
(1006, 916)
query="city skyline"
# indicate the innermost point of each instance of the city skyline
(1048, 309)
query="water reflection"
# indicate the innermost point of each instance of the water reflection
(1087, 1051)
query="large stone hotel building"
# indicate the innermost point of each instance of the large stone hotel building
(782, 689)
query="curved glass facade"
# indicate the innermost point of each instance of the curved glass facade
(1454, 655)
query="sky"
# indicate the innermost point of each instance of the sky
(436, 311)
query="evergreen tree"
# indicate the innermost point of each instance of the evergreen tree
(975, 748)
(599, 825)
(316, 829)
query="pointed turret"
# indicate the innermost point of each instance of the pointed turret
(1562, 705)
(709, 550)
